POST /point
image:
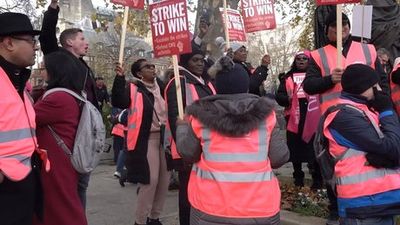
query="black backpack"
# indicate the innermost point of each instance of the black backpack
(321, 146)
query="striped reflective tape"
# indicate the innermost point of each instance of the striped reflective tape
(259, 156)
(324, 60)
(15, 135)
(233, 177)
(359, 178)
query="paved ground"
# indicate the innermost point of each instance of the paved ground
(110, 204)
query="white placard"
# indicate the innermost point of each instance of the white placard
(362, 21)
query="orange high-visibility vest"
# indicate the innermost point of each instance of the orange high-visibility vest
(135, 116)
(234, 178)
(354, 178)
(395, 91)
(118, 130)
(191, 96)
(289, 84)
(326, 59)
(17, 131)
(293, 111)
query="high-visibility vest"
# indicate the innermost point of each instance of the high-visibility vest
(118, 130)
(326, 59)
(293, 111)
(17, 131)
(234, 178)
(395, 91)
(135, 116)
(191, 96)
(289, 84)
(354, 178)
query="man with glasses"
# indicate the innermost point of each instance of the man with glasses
(19, 163)
(323, 76)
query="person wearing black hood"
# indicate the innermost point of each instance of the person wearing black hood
(232, 139)
(145, 118)
(364, 136)
(193, 87)
(323, 76)
(290, 95)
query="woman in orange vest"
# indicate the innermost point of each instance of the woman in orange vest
(364, 138)
(290, 94)
(145, 159)
(233, 140)
(193, 87)
(60, 112)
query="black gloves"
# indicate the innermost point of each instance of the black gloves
(379, 161)
(381, 102)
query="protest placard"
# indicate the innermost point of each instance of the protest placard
(258, 15)
(170, 28)
(135, 4)
(235, 25)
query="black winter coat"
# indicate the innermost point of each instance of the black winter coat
(202, 90)
(136, 161)
(299, 150)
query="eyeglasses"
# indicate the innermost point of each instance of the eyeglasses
(302, 58)
(32, 41)
(148, 66)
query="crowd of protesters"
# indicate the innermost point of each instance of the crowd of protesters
(226, 145)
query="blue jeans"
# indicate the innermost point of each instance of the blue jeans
(121, 160)
(388, 220)
(83, 183)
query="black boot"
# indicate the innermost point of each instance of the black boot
(298, 175)
(153, 221)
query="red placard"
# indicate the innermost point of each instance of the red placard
(235, 25)
(170, 28)
(335, 2)
(258, 15)
(135, 4)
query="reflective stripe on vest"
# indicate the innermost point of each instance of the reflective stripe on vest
(359, 178)
(395, 91)
(259, 156)
(135, 116)
(14, 135)
(325, 58)
(191, 96)
(354, 178)
(234, 178)
(17, 131)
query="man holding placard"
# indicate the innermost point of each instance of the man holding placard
(323, 75)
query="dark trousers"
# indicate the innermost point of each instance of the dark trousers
(184, 205)
(17, 201)
(333, 205)
(118, 145)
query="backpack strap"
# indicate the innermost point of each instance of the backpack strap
(77, 96)
(339, 107)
